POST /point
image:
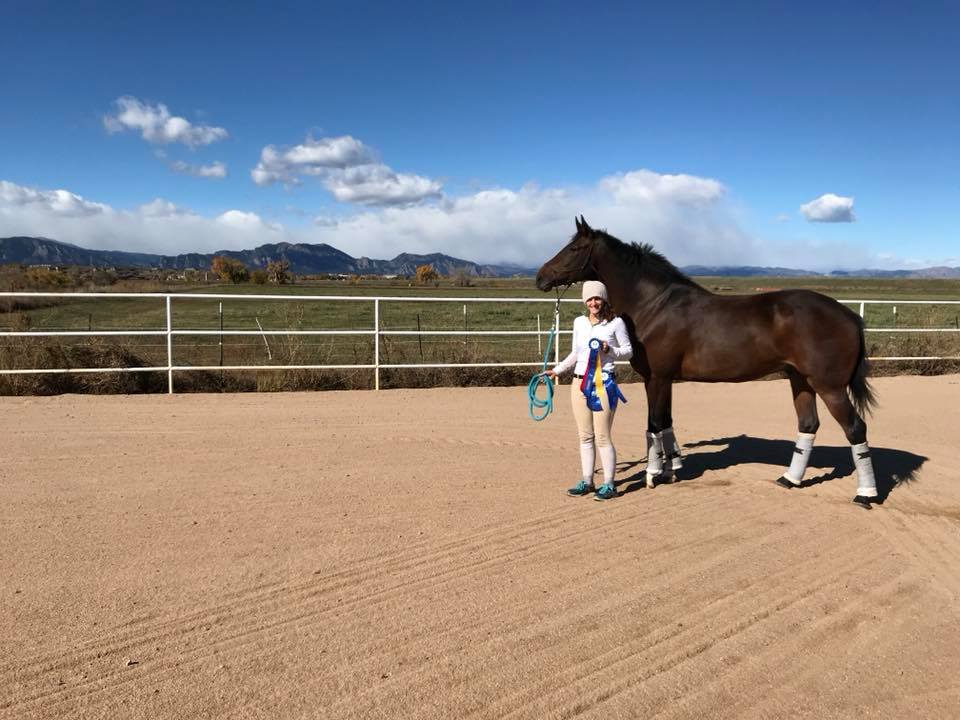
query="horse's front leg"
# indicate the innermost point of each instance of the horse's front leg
(673, 460)
(658, 420)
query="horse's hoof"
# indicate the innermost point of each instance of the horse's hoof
(784, 483)
(651, 482)
(864, 502)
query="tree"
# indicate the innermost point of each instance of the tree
(44, 277)
(425, 274)
(461, 277)
(278, 271)
(227, 268)
(259, 277)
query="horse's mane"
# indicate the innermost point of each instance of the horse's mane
(647, 260)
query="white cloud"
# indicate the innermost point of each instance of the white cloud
(156, 125)
(345, 166)
(216, 170)
(55, 202)
(160, 208)
(335, 152)
(529, 225)
(158, 226)
(829, 208)
(246, 222)
(313, 157)
(690, 221)
(379, 185)
(646, 186)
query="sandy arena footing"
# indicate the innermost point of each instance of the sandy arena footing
(412, 554)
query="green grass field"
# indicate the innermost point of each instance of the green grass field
(453, 315)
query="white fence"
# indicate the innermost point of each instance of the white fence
(376, 331)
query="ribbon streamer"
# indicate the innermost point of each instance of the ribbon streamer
(594, 378)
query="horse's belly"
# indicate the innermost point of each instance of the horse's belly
(739, 366)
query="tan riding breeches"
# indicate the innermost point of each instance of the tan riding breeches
(593, 427)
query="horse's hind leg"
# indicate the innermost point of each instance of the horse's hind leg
(855, 429)
(805, 403)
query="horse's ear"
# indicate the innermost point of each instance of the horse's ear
(582, 225)
(577, 221)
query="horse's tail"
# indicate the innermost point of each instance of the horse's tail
(861, 394)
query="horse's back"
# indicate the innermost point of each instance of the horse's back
(809, 306)
(741, 337)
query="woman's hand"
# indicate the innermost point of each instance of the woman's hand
(550, 374)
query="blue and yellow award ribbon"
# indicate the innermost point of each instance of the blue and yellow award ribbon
(595, 381)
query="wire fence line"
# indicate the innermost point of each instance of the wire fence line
(377, 333)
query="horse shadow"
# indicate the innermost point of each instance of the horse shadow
(891, 467)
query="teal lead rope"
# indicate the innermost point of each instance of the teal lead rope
(546, 404)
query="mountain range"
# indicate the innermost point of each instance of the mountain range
(315, 259)
(304, 259)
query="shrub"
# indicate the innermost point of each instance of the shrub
(228, 269)
(425, 274)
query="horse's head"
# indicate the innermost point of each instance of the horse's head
(572, 264)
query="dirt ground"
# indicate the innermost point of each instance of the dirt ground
(412, 554)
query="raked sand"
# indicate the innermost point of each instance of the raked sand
(411, 554)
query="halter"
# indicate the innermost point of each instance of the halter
(585, 262)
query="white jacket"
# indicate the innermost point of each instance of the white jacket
(612, 332)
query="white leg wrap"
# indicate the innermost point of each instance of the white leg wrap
(654, 456)
(608, 461)
(586, 461)
(801, 456)
(866, 482)
(671, 449)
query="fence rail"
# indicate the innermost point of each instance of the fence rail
(376, 331)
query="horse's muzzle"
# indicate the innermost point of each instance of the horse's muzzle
(543, 283)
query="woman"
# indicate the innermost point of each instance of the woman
(593, 427)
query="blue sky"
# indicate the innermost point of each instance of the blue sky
(805, 135)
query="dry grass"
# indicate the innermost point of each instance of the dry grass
(21, 314)
(46, 353)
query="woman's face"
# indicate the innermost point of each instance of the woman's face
(594, 305)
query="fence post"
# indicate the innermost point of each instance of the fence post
(169, 348)
(376, 343)
(861, 310)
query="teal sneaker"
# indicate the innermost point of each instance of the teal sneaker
(606, 492)
(581, 488)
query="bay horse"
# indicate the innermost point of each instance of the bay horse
(682, 331)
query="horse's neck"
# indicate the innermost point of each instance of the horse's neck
(626, 288)
(640, 296)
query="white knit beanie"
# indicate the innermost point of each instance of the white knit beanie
(594, 288)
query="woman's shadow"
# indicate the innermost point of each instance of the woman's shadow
(891, 467)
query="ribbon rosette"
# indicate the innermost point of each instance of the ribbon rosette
(595, 379)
